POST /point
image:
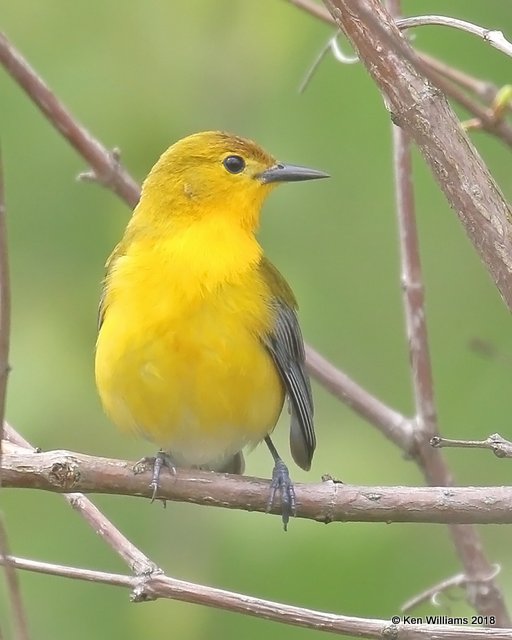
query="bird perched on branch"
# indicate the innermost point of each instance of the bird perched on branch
(199, 342)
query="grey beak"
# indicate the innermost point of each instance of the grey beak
(289, 173)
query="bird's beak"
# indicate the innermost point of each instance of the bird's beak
(289, 173)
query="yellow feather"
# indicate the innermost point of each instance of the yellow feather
(186, 305)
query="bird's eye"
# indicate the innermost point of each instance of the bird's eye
(234, 164)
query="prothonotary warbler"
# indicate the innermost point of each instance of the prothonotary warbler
(199, 342)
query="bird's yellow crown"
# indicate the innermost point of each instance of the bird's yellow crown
(206, 174)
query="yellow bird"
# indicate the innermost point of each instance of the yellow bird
(199, 342)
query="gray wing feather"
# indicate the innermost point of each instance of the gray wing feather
(286, 346)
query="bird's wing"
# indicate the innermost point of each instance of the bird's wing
(286, 347)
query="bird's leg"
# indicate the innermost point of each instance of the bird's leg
(281, 480)
(156, 463)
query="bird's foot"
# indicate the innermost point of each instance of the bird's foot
(156, 463)
(281, 481)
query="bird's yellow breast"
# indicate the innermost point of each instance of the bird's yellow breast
(179, 355)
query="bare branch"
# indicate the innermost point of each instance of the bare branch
(495, 38)
(161, 586)
(13, 586)
(139, 563)
(501, 447)
(328, 501)
(413, 290)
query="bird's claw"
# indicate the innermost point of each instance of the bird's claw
(281, 480)
(156, 463)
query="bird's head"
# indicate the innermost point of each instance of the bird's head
(214, 173)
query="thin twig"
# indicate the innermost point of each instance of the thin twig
(495, 38)
(17, 608)
(161, 586)
(137, 561)
(501, 447)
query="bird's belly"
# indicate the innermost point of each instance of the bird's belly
(202, 389)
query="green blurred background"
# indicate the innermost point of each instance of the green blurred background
(140, 75)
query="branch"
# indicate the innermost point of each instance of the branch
(413, 290)
(328, 501)
(160, 586)
(495, 38)
(501, 447)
